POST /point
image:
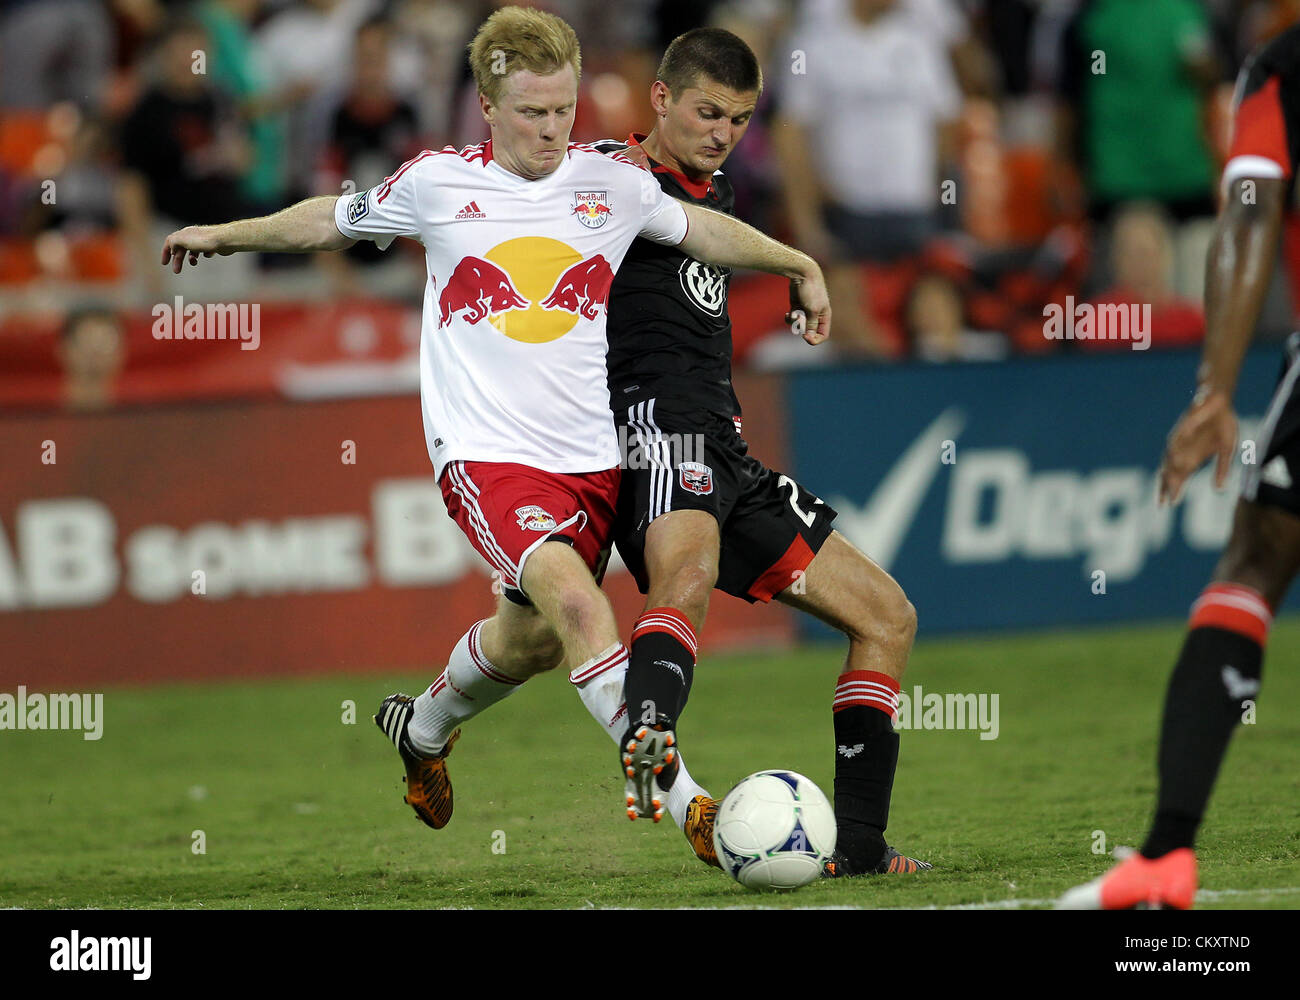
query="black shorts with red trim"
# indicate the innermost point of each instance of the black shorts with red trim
(1274, 478)
(678, 456)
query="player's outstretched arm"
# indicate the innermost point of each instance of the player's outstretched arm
(1238, 268)
(724, 241)
(301, 228)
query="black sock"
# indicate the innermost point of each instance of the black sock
(660, 669)
(1218, 671)
(866, 754)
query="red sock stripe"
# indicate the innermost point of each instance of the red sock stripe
(585, 672)
(868, 688)
(484, 666)
(668, 620)
(1234, 608)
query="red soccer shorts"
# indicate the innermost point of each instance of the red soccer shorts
(507, 510)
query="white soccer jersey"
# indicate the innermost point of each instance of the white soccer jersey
(512, 348)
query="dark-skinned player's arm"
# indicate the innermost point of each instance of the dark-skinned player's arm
(301, 228)
(1238, 268)
(724, 241)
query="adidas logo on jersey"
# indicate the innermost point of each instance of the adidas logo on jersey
(471, 211)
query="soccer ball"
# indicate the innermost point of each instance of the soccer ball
(774, 830)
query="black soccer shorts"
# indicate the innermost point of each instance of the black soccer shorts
(1274, 479)
(680, 457)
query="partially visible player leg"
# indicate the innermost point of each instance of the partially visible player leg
(681, 559)
(488, 664)
(668, 535)
(561, 586)
(546, 535)
(1218, 670)
(849, 592)
(680, 556)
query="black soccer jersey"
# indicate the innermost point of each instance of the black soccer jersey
(667, 323)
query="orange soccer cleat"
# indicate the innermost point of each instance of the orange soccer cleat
(428, 787)
(701, 814)
(1138, 882)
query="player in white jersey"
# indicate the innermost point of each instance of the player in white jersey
(522, 237)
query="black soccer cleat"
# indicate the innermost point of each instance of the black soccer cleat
(892, 863)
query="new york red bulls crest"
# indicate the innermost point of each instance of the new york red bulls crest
(534, 518)
(592, 208)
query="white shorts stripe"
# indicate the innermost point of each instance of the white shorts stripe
(653, 448)
(665, 461)
(468, 492)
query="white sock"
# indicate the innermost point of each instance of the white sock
(684, 789)
(468, 685)
(600, 686)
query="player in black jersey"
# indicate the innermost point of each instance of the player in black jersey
(697, 511)
(1219, 669)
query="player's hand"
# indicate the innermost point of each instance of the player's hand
(810, 307)
(192, 240)
(1208, 427)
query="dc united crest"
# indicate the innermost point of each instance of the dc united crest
(592, 208)
(705, 285)
(696, 477)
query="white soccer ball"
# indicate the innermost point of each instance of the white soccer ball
(774, 831)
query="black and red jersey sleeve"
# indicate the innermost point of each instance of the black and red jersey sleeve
(1266, 113)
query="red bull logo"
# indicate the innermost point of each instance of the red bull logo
(478, 288)
(533, 289)
(582, 288)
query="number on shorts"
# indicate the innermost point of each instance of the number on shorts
(806, 516)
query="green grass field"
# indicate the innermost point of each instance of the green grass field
(301, 810)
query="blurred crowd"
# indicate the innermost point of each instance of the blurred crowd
(956, 165)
